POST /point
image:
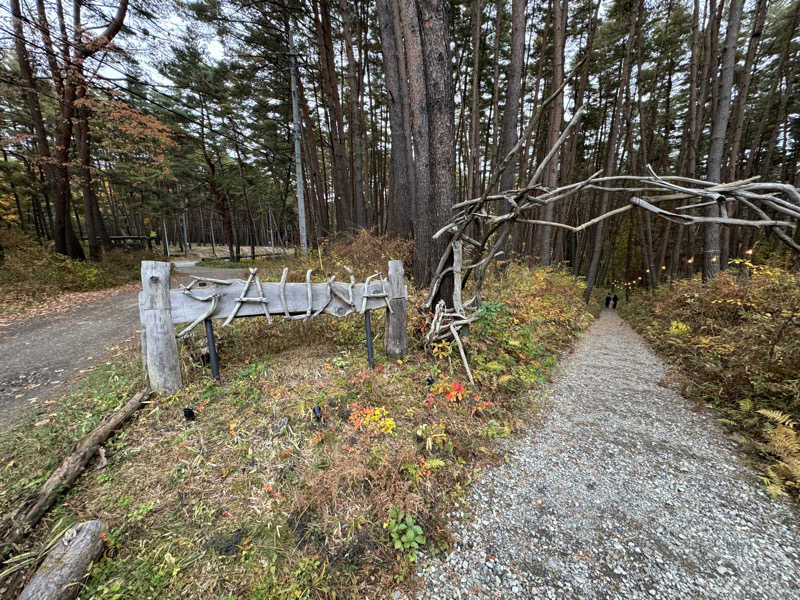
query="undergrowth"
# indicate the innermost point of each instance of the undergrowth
(32, 273)
(736, 341)
(306, 474)
(363, 253)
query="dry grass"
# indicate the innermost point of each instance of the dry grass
(364, 253)
(257, 498)
(32, 276)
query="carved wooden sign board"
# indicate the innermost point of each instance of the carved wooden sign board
(161, 308)
(205, 298)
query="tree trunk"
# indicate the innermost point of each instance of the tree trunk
(400, 205)
(509, 136)
(474, 164)
(744, 87)
(441, 108)
(611, 153)
(423, 228)
(554, 124)
(330, 97)
(356, 119)
(711, 255)
(96, 234)
(31, 96)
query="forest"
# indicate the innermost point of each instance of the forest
(479, 422)
(176, 120)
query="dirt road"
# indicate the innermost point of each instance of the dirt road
(41, 357)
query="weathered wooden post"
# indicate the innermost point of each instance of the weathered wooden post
(396, 338)
(159, 347)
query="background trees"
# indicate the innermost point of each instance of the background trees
(123, 120)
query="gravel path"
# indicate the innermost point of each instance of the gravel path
(42, 356)
(625, 492)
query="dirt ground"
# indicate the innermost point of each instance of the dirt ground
(43, 356)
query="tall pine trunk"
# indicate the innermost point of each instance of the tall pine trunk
(711, 255)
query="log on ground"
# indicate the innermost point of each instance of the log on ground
(66, 564)
(21, 521)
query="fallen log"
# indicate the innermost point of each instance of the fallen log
(66, 564)
(17, 525)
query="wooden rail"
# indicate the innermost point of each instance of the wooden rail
(161, 308)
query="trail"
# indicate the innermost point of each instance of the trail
(43, 356)
(624, 492)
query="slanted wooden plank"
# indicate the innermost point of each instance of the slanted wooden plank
(160, 347)
(395, 340)
(185, 309)
(59, 577)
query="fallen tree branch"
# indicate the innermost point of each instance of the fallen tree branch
(17, 525)
(66, 564)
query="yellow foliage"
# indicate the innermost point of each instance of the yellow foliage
(679, 329)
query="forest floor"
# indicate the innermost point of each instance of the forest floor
(46, 351)
(627, 490)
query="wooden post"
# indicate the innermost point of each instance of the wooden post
(160, 346)
(396, 338)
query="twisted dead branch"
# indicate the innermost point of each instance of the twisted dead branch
(484, 215)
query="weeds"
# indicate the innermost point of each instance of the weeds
(405, 533)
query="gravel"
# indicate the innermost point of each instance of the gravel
(625, 492)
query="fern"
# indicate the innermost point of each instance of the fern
(778, 417)
(782, 442)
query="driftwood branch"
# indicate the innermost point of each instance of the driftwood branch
(20, 522)
(643, 191)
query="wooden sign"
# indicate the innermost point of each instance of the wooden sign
(203, 298)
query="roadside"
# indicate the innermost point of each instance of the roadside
(45, 353)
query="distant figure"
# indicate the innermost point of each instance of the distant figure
(608, 301)
(614, 301)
